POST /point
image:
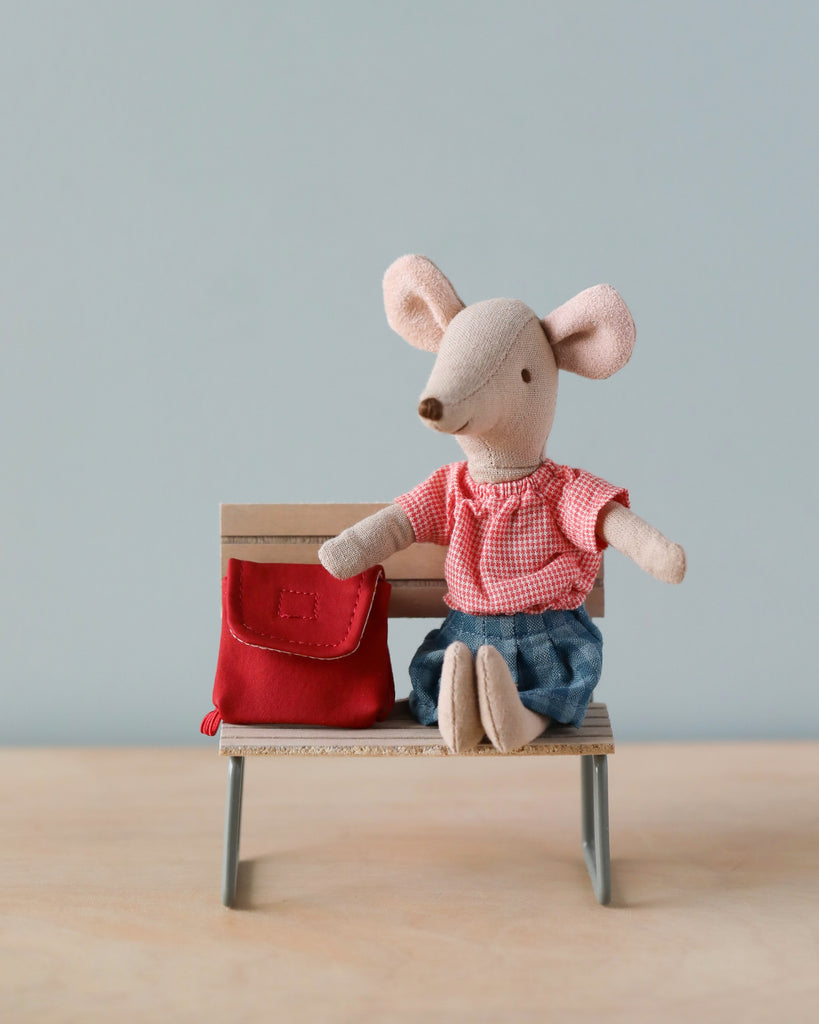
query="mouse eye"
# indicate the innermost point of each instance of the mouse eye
(526, 375)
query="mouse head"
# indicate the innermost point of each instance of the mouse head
(494, 382)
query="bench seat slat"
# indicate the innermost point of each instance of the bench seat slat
(401, 735)
(400, 718)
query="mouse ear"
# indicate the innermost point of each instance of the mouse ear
(592, 334)
(419, 301)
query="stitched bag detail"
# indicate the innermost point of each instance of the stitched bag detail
(298, 609)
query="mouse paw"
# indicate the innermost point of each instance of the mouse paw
(341, 556)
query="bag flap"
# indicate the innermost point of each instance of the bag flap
(298, 609)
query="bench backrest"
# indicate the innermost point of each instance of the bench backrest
(294, 533)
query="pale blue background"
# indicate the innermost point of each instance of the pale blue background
(197, 203)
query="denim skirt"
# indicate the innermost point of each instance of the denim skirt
(555, 658)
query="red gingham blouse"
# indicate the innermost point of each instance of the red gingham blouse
(520, 546)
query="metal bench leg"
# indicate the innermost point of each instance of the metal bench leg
(595, 801)
(233, 825)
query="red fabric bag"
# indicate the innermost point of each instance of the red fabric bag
(301, 647)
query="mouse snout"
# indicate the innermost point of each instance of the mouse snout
(430, 409)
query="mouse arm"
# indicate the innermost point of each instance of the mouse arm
(367, 543)
(640, 542)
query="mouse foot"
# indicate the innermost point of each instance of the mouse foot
(508, 724)
(459, 716)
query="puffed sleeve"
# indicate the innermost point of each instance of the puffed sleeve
(579, 507)
(427, 508)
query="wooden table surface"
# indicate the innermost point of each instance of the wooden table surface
(448, 889)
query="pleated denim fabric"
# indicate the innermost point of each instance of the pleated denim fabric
(555, 658)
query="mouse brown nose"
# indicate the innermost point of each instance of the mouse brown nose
(430, 409)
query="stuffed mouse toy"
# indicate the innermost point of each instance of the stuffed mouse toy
(525, 534)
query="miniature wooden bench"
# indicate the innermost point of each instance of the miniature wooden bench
(293, 533)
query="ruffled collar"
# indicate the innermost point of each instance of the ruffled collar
(504, 488)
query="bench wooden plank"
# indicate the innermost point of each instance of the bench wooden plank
(325, 520)
(424, 598)
(400, 722)
(400, 735)
(420, 561)
(418, 599)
